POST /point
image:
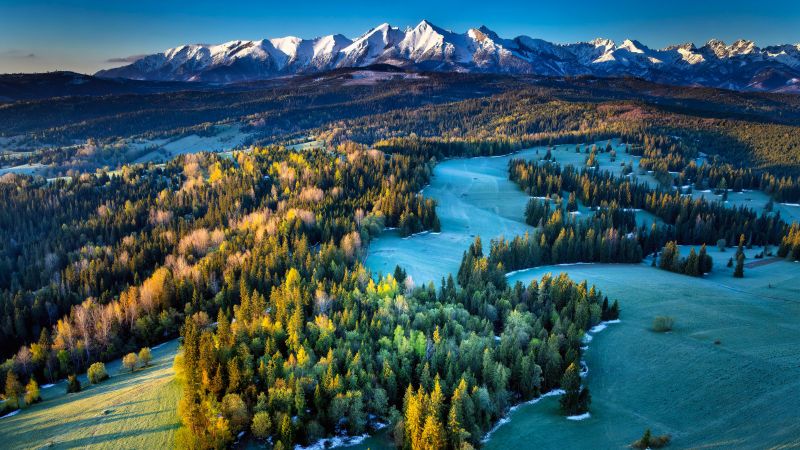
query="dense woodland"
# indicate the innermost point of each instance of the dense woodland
(256, 261)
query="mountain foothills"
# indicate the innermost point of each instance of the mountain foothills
(740, 66)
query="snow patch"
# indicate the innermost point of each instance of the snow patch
(417, 234)
(12, 413)
(583, 416)
(333, 442)
(514, 272)
(511, 410)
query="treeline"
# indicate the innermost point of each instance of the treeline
(608, 236)
(693, 221)
(665, 156)
(668, 139)
(695, 264)
(790, 244)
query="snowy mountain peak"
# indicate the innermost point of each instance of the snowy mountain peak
(603, 42)
(687, 46)
(633, 46)
(743, 47)
(740, 65)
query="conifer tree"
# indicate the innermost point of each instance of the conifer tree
(576, 398)
(738, 272)
(14, 390)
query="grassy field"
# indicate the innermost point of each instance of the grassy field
(726, 376)
(226, 138)
(130, 410)
(475, 198)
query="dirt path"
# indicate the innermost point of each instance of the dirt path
(762, 262)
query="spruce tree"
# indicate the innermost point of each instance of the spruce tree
(738, 272)
(576, 399)
(692, 264)
(14, 389)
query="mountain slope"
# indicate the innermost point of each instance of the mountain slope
(740, 66)
(32, 86)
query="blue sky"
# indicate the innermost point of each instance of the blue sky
(83, 35)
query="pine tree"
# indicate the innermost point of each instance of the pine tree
(705, 261)
(613, 312)
(399, 274)
(692, 264)
(73, 384)
(576, 398)
(414, 417)
(32, 394)
(14, 390)
(740, 248)
(738, 272)
(432, 435)
(572, 203)
(669, 257)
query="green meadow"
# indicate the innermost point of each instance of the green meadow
(129, 410)
(726, 376)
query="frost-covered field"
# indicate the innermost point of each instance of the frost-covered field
(309, 145)
(227, 137)
(23, 169)
(755, 200)
(740, 393)
(475, 198)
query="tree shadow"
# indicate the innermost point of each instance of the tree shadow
(98, 440)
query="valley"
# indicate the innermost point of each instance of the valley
(631, 369)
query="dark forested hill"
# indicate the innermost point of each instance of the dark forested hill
(14, 87)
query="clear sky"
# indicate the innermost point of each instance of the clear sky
(86, 35)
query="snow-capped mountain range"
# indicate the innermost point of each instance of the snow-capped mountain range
(741, 65)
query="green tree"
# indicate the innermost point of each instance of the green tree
(145, 356)
(73, 384)
(576, 398)
(738, 272)
(32, 394)
(669, 256)
(234, 409)
(97, 373)
(692, 264)
(14, 390)
(704, 260)
(130, 361)
(262, 425)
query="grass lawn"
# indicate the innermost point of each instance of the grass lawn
(130, 410)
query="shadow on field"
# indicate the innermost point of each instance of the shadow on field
(96, 440)
(88, 422)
